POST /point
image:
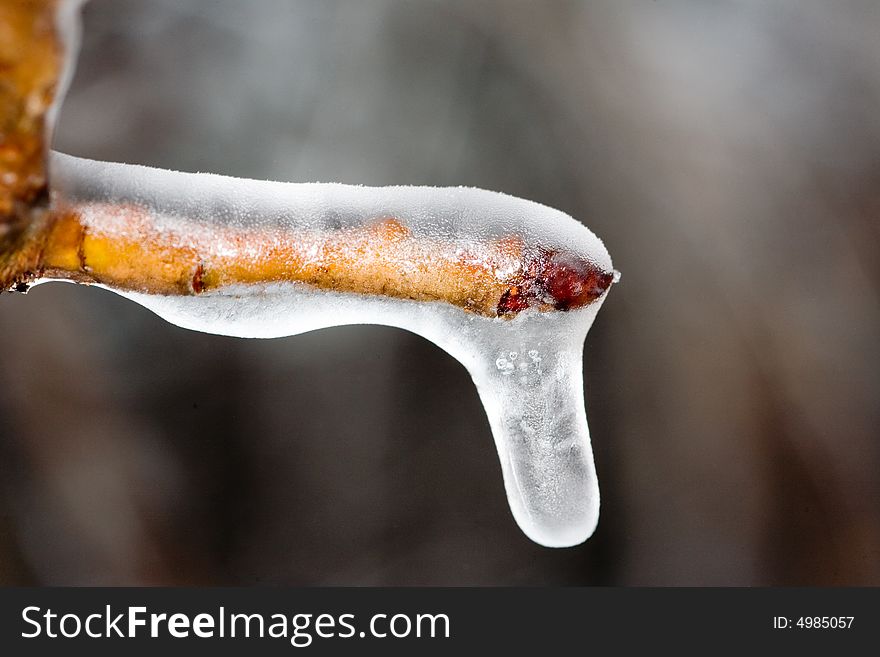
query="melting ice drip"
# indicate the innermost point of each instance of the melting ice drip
(528, 369)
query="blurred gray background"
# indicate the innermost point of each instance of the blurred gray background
(727, 152)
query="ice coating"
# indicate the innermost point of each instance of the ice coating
(527, 367)
(506, 286)
(406, 242)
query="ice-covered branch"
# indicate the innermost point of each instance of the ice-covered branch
(506, 286)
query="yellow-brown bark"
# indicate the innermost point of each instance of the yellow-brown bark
(127, 247)
(30, 67)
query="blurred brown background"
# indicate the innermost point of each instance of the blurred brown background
(727, 152)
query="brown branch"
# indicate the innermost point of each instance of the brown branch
(30, 67)
(128, 247)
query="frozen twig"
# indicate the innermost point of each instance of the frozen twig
(507, 286)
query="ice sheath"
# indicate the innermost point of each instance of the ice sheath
(527, 369)
(133, 229)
